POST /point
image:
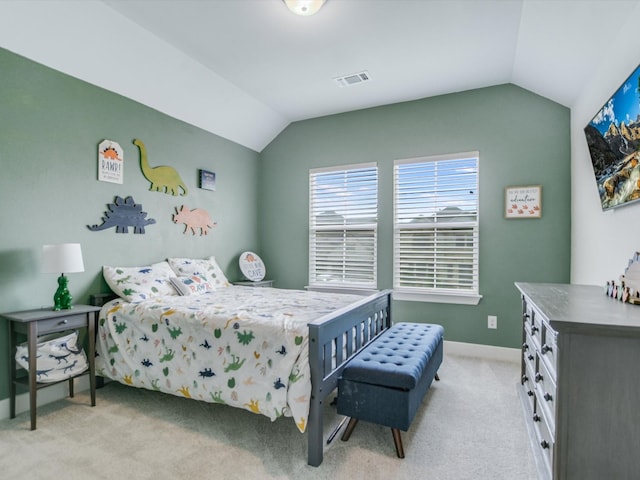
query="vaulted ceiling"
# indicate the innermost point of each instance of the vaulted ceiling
(245, 69)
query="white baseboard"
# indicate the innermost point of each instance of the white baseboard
(483, 351)
(45, 395)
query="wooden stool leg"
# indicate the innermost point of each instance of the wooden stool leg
(437, 378)
(347, 433)
(397, 440)
(336, 430)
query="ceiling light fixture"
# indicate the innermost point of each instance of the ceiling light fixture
(304, 7)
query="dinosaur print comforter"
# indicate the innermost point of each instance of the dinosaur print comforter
(241, 346)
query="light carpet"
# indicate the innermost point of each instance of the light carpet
(470, 426)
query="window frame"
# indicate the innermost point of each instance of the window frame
(456, 295)
(370, 172)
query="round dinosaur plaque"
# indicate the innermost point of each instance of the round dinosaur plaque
(252, 267)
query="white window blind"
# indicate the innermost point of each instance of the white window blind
(436, 225)
(343, 216)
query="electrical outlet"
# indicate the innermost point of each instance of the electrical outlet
(492, 321)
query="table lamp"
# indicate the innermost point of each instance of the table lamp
(65, 257)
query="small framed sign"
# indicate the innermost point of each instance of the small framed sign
(207, 180)
(110, 162)
(523, 201)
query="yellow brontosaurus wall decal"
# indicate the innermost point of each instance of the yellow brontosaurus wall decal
(163, 179)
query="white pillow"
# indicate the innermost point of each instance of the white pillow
(135, 284)
(195, 284)
(209, 267)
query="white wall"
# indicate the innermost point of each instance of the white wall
(602, 242)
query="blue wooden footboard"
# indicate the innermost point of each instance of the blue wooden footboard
(333, 339)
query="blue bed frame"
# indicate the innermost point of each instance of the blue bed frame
(333, 340)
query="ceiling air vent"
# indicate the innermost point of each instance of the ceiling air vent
(353, 79)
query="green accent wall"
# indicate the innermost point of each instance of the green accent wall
(51, 125)
(523, 139)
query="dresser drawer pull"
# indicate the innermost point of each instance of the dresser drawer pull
(530, 357)
(538, 377)
(544, 444)
(526, 315)
(534, 329)
(548, 397)
(530, 393)
(524, 378)
(63, 322)
(546, 348)
(536, 417)
(525, 347)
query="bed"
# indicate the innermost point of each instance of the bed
(180, 327)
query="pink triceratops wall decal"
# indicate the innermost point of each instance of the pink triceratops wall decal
(193, 219)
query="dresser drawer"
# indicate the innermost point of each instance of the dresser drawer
(544, 438)
(527, 316)
(545, 385)
(529, 351)
(529, 386)
(532, 325)
(536, 328)
(549, 349)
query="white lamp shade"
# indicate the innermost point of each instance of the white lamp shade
(304, 7)
(62, 258)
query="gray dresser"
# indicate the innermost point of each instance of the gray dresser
(580, 384)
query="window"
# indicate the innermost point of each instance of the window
(435, 219)
(343, 216)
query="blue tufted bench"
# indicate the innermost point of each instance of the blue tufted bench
(386, 382)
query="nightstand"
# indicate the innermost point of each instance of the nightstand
(34, 323)
(249, 283)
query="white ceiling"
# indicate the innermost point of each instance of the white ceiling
(244, 69)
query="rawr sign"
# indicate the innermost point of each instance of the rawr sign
(110, 162)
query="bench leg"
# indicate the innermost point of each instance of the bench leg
(397, 440)
(437, 378)
(347, 433)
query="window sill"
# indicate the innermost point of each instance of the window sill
(455, 298)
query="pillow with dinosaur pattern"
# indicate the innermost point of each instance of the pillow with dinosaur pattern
(209, 267)
(195, 284)
(136, 284)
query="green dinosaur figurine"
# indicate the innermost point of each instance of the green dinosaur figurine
(163, 179)
(62, 297)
